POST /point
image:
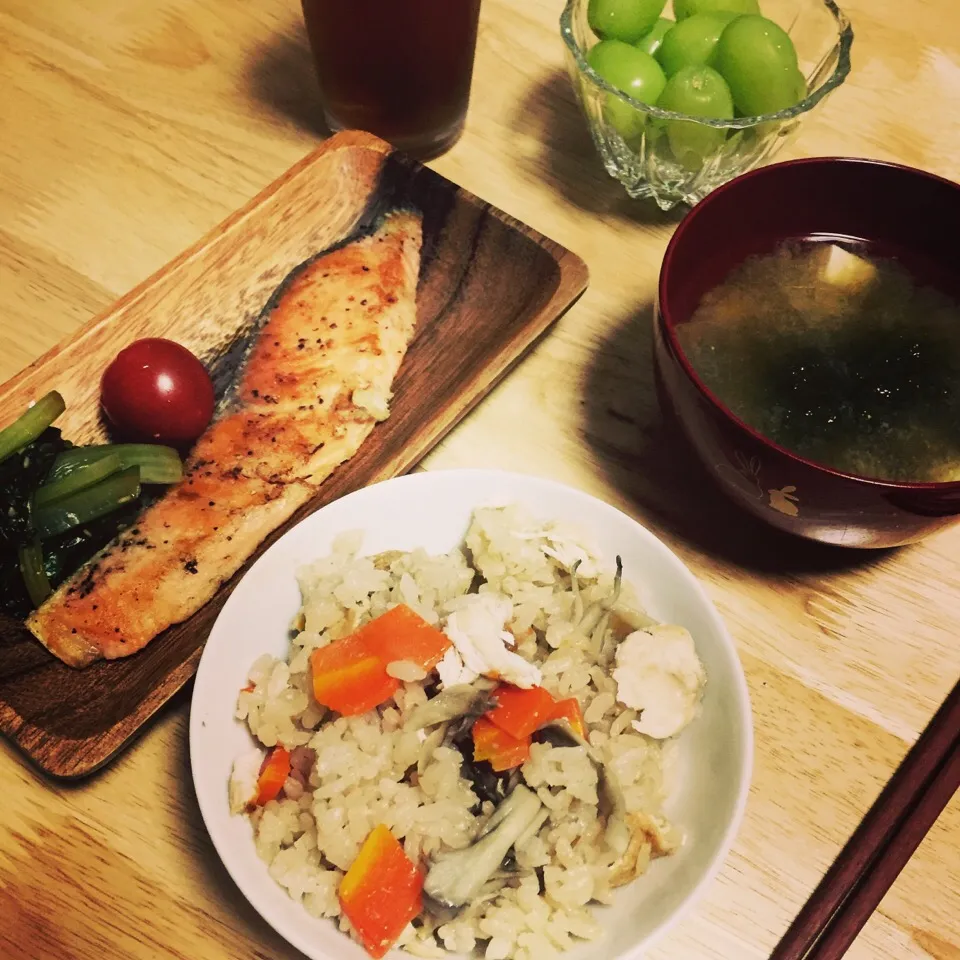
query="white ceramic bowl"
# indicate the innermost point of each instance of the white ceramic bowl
(432, 510)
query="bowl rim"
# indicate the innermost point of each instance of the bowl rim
(839, 74)
(669, 324)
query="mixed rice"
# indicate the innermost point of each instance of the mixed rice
(563, 621)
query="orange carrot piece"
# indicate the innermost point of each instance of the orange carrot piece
(349, 679)
(519, 712)
(381, 892)
(569, 710)
(401, 634)
(503, 751)
(350, 674)
(273, 775)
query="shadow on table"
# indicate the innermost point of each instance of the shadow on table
(568, 159)
(658, 470)
(282, 78)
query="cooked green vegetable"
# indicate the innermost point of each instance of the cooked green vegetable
(31, 424)
(20, 475)
(75, 481)
(62, 504)
(88, 504)
(158, 464)
(33, 573)
(14, 599)
(62, 556)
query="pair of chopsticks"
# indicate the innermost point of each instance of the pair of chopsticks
(882, 845)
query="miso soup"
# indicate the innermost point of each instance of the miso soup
(838, 355)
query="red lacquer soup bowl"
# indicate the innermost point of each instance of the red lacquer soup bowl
(907, 213)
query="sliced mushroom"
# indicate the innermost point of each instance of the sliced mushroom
(456, 878)
(634, 837)
(465, 700)
(433, 740)
(609, 791)
(560, 733)
(533, 828)
(486, 782)
(595, 612)
(626, 619)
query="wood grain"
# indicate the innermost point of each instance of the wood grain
(488, 289)
(882, 844)
(866, 896)
(132, 129)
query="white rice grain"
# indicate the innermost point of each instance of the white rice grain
(371, 770)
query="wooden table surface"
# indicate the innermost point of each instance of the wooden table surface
(128, 130)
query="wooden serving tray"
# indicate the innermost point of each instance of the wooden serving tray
(489, 287)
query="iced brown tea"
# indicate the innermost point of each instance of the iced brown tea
(398, 68)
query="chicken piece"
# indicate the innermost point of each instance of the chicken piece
(659, 673)
(480, 644)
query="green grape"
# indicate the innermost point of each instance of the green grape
(635, 73)
(687, 8)
(757, 59)
(698, 91)
(650, 41)
(626, 20)
(801, 91)
(692, 41)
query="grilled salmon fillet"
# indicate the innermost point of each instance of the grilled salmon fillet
(317, 378)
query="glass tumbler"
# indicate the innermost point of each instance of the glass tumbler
(400, 69)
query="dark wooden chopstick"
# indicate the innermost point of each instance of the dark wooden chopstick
(881, 846)
(864, 899)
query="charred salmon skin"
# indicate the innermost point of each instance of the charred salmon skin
(317, 378)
